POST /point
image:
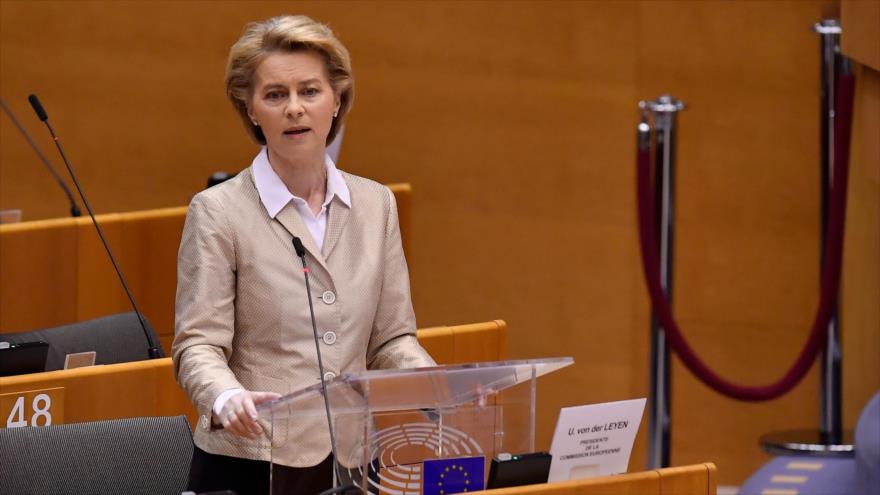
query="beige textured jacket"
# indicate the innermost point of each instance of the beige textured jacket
(242, 318)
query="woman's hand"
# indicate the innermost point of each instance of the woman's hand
(239, 414)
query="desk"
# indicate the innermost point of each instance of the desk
(149, 388)
(697, 479)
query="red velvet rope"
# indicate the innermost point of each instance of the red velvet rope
(830, 273)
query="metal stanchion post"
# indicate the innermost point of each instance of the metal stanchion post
(830, 439)
(665, 110)
(830, 396)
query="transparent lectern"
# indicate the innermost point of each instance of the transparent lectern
(388, 422)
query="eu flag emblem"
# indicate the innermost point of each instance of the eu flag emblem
(460, 475)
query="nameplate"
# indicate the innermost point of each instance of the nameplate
(42, 407)
(594, 440)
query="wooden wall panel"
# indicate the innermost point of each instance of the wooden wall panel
(860, 287)
(860, 39)
(746, 240)
(37, 258)
(514, 123)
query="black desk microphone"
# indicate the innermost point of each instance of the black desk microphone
(74, 209)
(153, 349)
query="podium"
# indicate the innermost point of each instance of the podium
(388, 422)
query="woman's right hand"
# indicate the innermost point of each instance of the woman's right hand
(239, 414)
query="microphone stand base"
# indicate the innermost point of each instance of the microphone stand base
(808, 443)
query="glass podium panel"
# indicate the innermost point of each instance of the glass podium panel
(387, 422)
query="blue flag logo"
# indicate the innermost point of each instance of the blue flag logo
(459, 475)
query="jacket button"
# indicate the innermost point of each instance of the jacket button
(329, 376)
(204, 422)
(329, 338)
(328, 297)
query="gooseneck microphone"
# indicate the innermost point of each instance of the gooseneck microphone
(74, 208)
(153, 349)
(301, 252)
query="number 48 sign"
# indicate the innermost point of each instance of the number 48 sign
(32, 408)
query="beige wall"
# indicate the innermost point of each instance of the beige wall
(515, 125)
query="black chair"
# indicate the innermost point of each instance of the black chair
(116, 338)
(859, 474)
(135, 455)
(219, 178)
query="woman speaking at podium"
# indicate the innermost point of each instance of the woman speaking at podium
(243, 333)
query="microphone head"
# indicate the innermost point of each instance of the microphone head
(298, 247)
(38, 108)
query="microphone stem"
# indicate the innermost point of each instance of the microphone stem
(153, 349)
(321, 371)
(74, 209)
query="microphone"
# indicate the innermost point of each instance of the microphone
(153, 349)
(74, 209)
(301, 252)
(41, 112)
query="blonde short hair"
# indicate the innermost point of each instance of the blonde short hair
(287, 33)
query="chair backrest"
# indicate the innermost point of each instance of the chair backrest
(135, 455)
(868, 447)
(116, 338)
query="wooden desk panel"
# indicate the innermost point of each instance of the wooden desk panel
(98, 292)
(141, 388)
(475, 343)
(403, 197)
(149, 388)
(466, 343)
(149, 242)
(439, 343)
(38, 274)
(697, 479)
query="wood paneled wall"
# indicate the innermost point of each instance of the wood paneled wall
(860, 41)
(515, 124)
